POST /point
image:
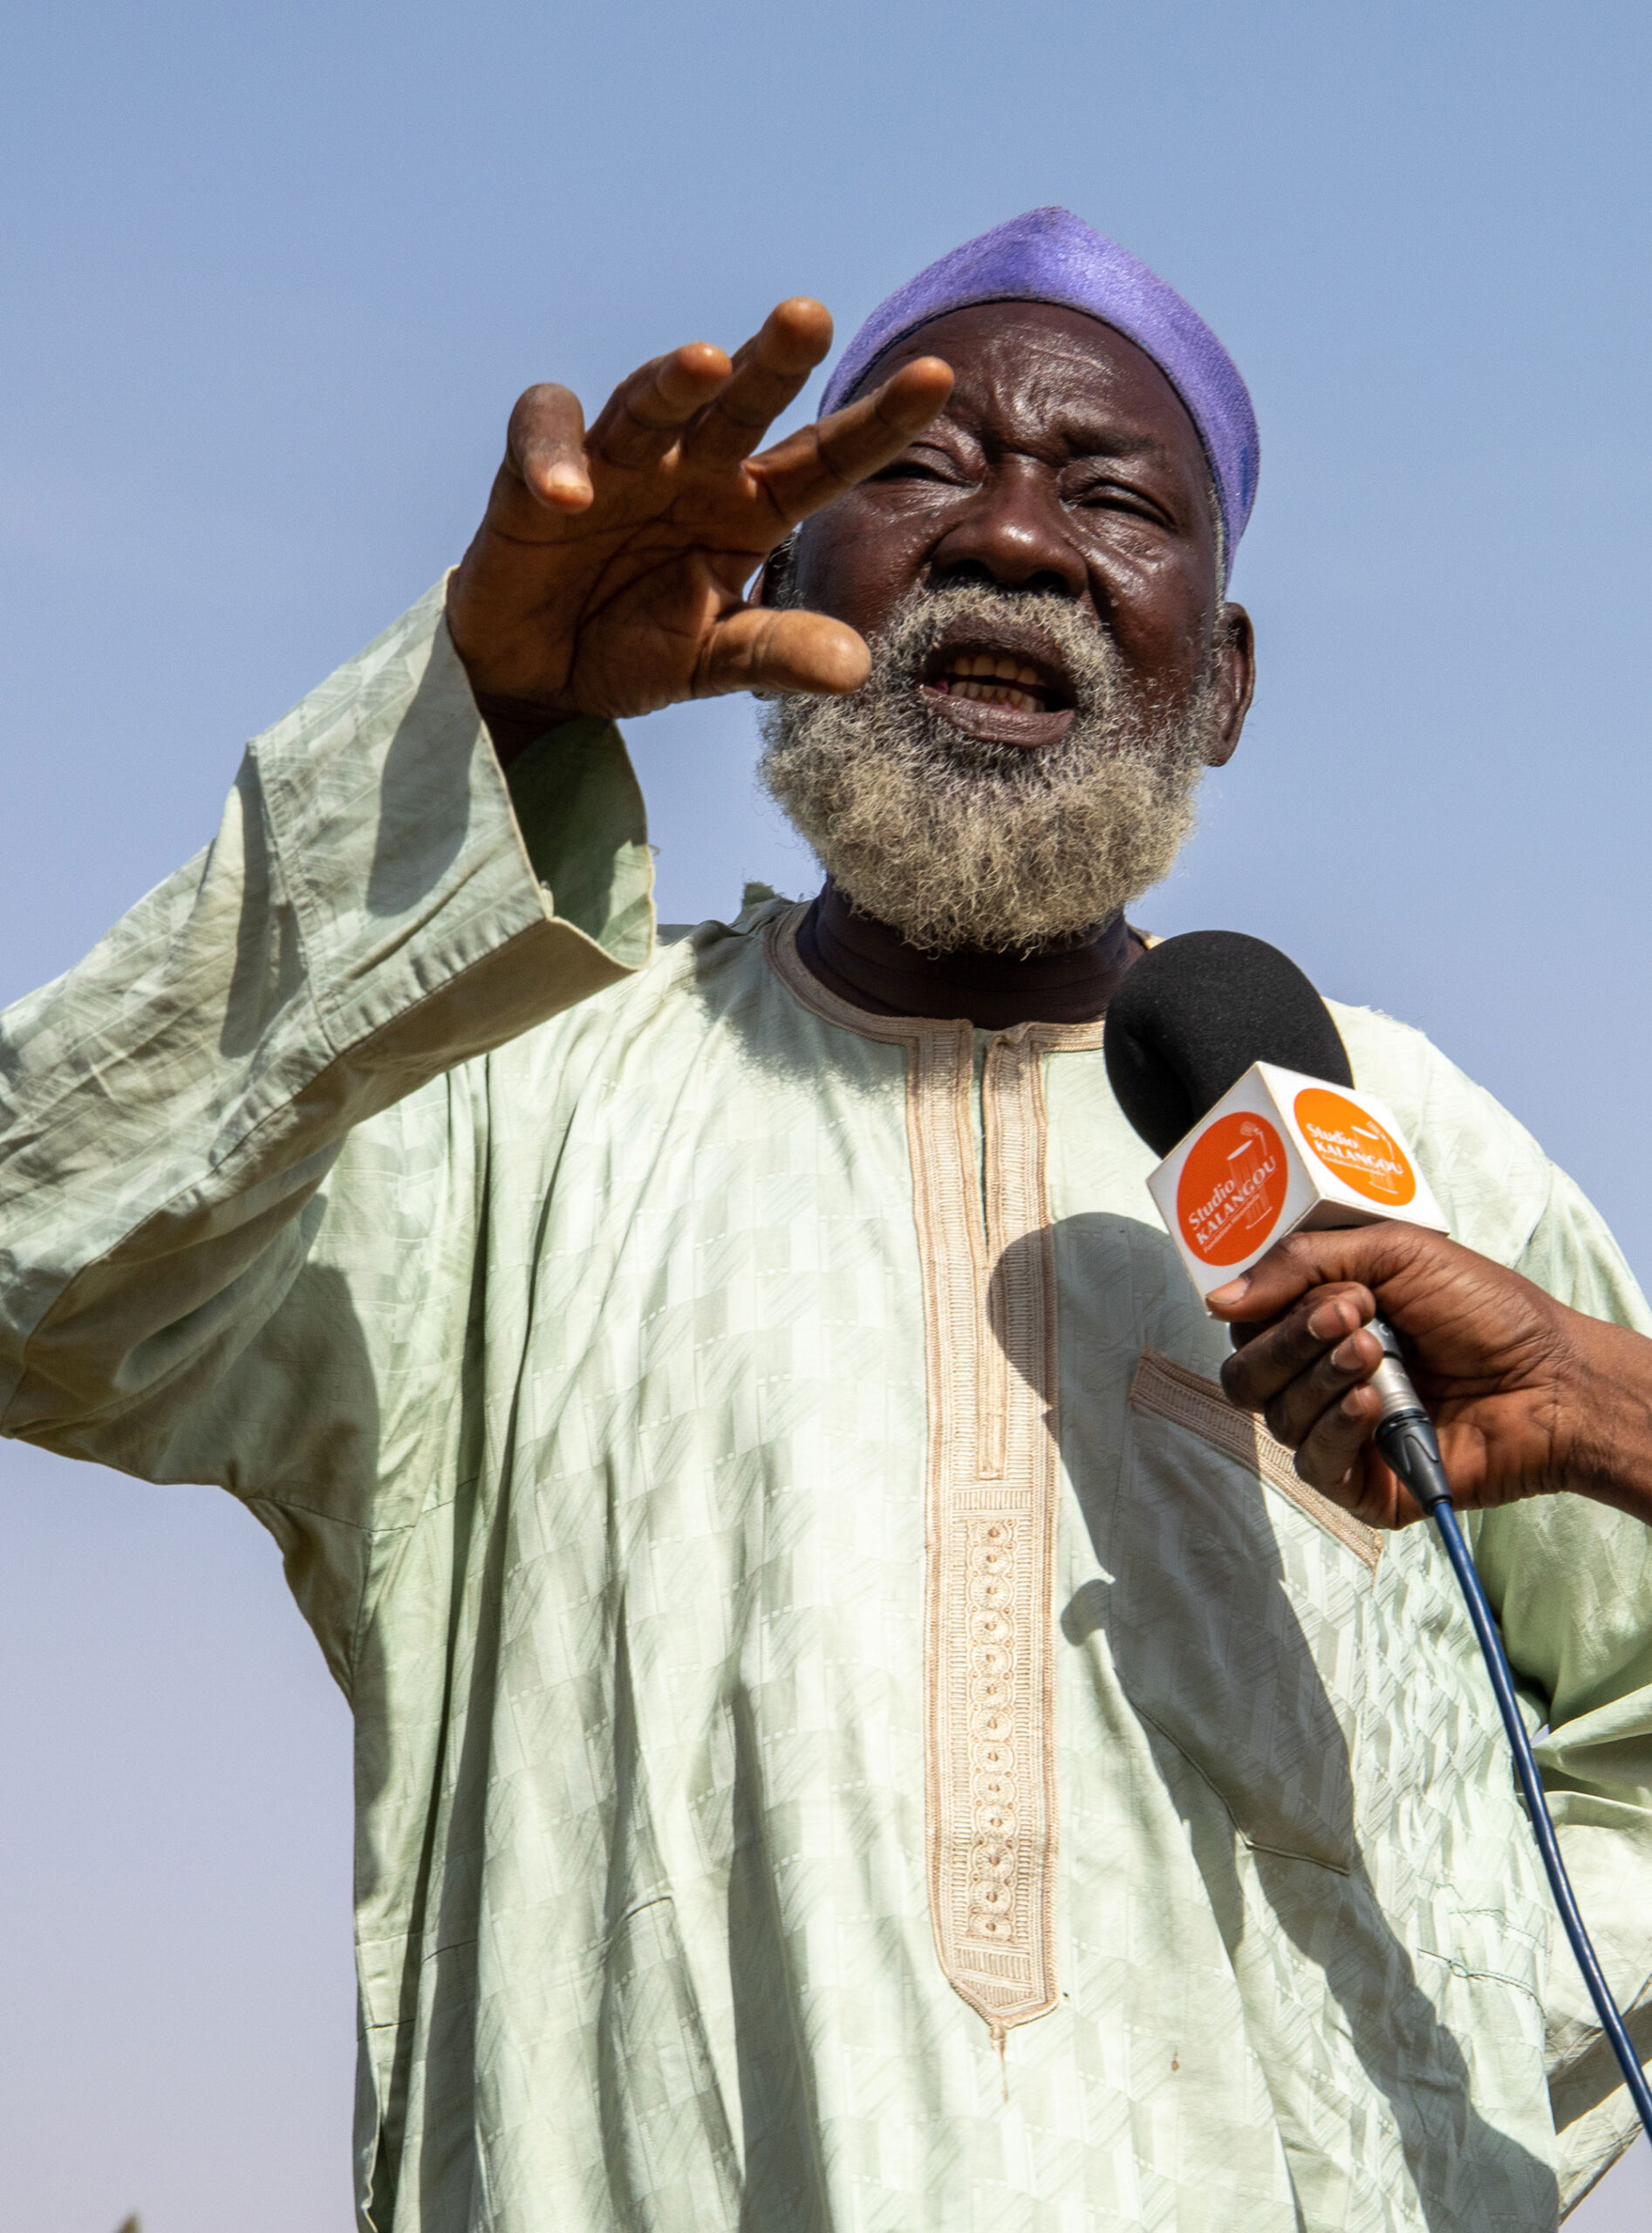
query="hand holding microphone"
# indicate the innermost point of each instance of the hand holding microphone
(1527, 1395)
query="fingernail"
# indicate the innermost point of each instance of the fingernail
(1233, 1293)
(1346, 1356)
(1327, 1322)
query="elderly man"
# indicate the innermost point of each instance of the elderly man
(855, 1730)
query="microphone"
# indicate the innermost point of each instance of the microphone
(1195, 1012)
(1227, 1063)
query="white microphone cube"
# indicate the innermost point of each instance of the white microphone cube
(1278, 1153)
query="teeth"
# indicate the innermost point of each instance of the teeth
(996, 694)
(983, 666)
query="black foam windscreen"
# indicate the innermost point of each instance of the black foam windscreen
(1195, 1012)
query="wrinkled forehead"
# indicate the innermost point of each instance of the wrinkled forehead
(1039, 371)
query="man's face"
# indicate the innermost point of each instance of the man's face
(1052, 668)
(1064, 462)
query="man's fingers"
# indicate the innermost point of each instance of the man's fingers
(755, 649)
(1341, 1460)
(1307, 1377)
(1329, 1452)
(545, 444)
(1294, 1412)
(646, 414)
(769, 371)
(1270, 1361)
(868, 434)
(1366, 1254)
(818, 462)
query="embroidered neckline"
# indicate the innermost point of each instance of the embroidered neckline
(992, 1486)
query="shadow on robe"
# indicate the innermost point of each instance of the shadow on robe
(1198, 1621)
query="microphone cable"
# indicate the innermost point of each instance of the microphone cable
(1406, 1437)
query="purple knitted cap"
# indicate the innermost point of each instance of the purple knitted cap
(1050, 255)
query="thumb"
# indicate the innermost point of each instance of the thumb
(1360, 1256)
(757, 649)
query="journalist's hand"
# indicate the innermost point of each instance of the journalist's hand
(1528, 1396)
(607, 574)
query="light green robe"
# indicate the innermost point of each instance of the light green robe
(852, 1732)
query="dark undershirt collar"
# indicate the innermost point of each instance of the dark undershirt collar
(870, 966)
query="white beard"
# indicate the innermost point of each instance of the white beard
(956, 842)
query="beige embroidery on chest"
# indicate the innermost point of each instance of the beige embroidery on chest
(989, 1315)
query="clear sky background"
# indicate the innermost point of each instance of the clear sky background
(273, 275)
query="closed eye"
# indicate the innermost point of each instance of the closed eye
(923, 469)
(1118, 496)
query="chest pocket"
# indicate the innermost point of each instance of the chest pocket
(1240, 1617)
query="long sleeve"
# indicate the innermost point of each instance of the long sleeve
(372, 912)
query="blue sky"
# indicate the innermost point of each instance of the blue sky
(274, 277)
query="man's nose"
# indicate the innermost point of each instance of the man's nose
(1014, 533)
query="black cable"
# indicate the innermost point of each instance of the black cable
(1407, 1441)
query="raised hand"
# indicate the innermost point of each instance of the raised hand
(608, 574)
(1528, 1395)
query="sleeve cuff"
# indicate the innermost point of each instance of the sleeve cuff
(410, 859)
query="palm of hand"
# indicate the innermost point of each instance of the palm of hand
(608, 573)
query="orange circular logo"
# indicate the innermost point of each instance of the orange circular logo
(1355, 1147)
(1231, 1189)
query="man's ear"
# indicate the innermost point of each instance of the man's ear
(1236, 680)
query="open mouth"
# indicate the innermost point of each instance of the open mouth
(1013, 689)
